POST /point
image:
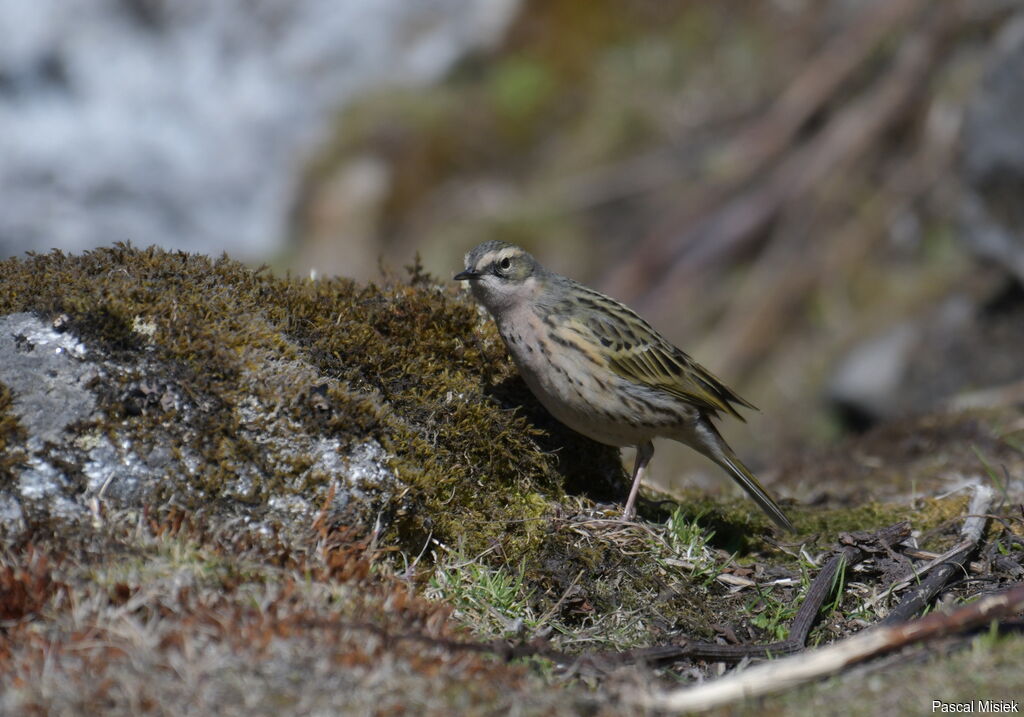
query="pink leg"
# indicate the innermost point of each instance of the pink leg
(644, 451)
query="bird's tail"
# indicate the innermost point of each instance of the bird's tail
(719, 451)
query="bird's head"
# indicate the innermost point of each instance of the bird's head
(501, 276)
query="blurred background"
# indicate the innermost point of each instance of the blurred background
(821, 201)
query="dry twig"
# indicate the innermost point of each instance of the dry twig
(974, 525)
(792, 671)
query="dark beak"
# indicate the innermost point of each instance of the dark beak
(467, 274)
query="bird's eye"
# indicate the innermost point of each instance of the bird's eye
(505, 264)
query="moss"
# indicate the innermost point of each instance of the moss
(12, 437)
(406, 363)
(925, 515)
(109, 620)
(414, 366)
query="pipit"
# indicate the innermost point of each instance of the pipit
(603, 371)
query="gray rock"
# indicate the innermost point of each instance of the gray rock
(921, 364)
(186, 123)
(991, 213)
(866, 381)
(47, 373)
(80, 459)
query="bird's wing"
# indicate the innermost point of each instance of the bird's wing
(652, 361)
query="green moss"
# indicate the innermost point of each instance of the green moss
(406, 363)
(413, 366)
(12, 437)
(821, 527)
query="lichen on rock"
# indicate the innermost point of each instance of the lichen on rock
(149, 378)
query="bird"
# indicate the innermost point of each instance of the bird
(602, 370)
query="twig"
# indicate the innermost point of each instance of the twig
(915, 575)
(974, 566)
(934, 560)
(550, 612)
(971, 532)
(798, 669)
(918, 572)
(1005, 395)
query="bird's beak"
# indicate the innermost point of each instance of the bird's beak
(467, 274)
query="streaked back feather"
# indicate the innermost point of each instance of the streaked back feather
(642, 355)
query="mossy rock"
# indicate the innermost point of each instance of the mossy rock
(235, 389)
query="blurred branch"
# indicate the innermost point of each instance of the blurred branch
(845, 138)
(1005, 395)
(822, 79)
(800, 260)
(761, 141)
(770, 135)
(673, 267)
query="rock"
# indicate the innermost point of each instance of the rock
(864, 385)
(991, 212)
(153, 381)
(78, 456)
(921, 365)
(187, 123)
(48, 375)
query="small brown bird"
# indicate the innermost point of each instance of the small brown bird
(602, 370)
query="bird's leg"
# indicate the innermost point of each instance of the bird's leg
(644, 451)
